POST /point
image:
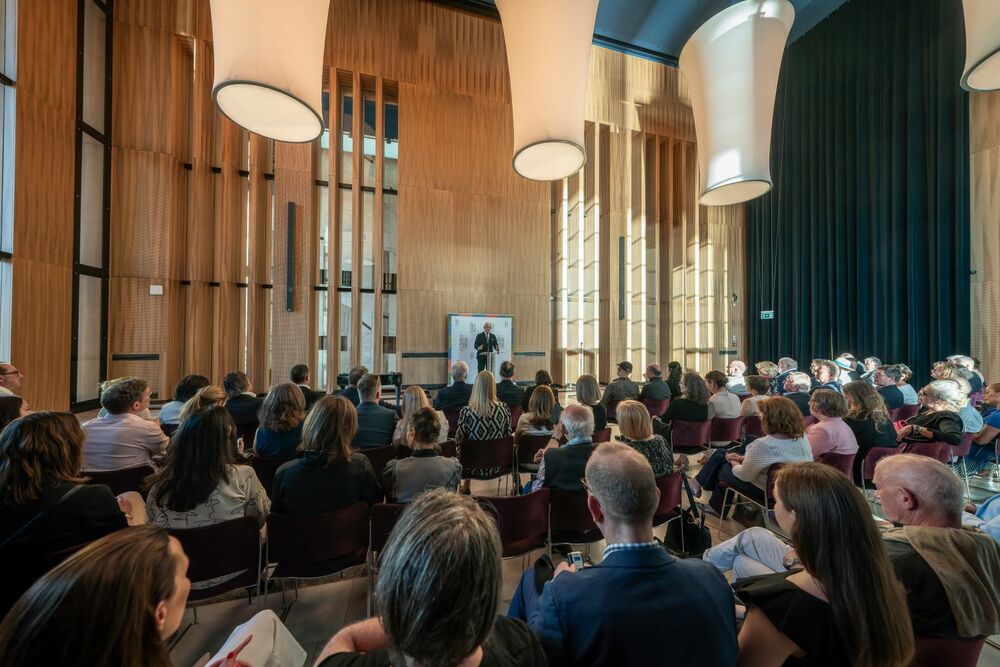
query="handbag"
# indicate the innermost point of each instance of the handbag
(688, 537)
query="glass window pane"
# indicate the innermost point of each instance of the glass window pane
(322, 311)
(91, 202)
(7, 111)
(390, 258)
(389, 333)
(390, 179)
(88, 339)
(346, 141)
(323, 193)
(323, 154)
(367, 255)
(346, 205)
(368, 330)
(5, 307)
(368, 163)
(345, 332)
(94, 45)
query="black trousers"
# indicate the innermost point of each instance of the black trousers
(481, 363)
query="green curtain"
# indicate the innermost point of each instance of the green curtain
(863, 244)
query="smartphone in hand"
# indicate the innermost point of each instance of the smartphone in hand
(576, 558)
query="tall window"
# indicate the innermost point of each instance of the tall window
(8, 76)
(92, 209)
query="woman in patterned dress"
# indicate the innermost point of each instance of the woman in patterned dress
(484, 418)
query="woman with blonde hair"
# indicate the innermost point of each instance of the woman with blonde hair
(484, 418)
(204, 397)
(637, 432)
(281, 417)
(415, 399)
(939, 420)
(868, 417)
(588, 392)
(538, 419)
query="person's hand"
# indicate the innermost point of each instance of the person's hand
(231, 660)
(970, 508)
(125, 505)
(734, 458)
(563, 567)
(539, 455)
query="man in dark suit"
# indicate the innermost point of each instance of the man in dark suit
(485, 341)
(786, 365)
(375, 423)
(507, 389)
(561, 467)
(243, 404)
(886, 378)
(655, 388)
(621, 388)
(300, 376)
(457, 395)
(350, 392)
(796, 389)
(612, 613)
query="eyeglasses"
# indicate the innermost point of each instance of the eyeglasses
(13, 372)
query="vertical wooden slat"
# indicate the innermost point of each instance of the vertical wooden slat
(377, 243)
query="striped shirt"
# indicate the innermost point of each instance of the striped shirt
(762, 453)
(629, 546)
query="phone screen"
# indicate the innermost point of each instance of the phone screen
(576, 558)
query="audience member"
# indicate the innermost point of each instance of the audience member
(969, 364)
(825, 374)
(588, 393)
(203, 398)
(115, 602)
(621, 388)
(784, 441)
(786, 365)
(939, 420)
(758, 387)
(848, 365)
(830, 434)
(869, 420)
(985, 517)
(977, 370)
(300, 376)
(200, 484)
(637, 432)
(655, 388)
(735, 371)
(542, 379)
(10, 379)
(841, 604)
(484, 418)
(886, 379)
(456, 395)
(689, 406)
(612, 613)
(328, 475)
(405, 479)
(871, 364)
(376, 423)
(796, 389)
(909, 393)
(414, 399)
(170, 412)
(243, 405)
(507, 389)
(983, 450)
(562, 467)
(11, 408)
(281, 417)
(350, 392)
(538, 419)
(674, 373)
(123, 439)
(722, 403)
(972, 421)
(769, 370)
(437, 594)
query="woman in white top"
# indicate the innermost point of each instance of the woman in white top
(415, 399)
(722, 403)
(758, 386)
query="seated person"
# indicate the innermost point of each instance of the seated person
(561, 467)
(825, 374)
(968, 364)
(796, 389)
(588, 393)
(674, 373)
(622, 388)
(428, 614)
(350, 392)
(939, 420)
(830, 434)
(122, 439)
(243, 405)
(200, 484)
(792, 612)
(722, 403)
(637, 432)
(457, 394)
(775, 378)
(784, 441)
(414, 399)
(280, 417)
(405, 479)
(690, 406)
(983, 450)
(758, 387)
(376, 423)
(869, 420)
(11, 408)
(170, 412)
(886, 380)
(655, 388)
(542, 378)
(735, 376)
(299, 375)
(507, 389)
(328, 475)
(205, 397)
(484, 418)
(612, 613)
(909, 393)
(538, 419)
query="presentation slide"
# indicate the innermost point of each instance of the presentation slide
(462, 331)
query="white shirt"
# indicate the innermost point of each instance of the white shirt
(736, 384)
(909, 394)
(4, 391)
(117, 442)
(724, 405)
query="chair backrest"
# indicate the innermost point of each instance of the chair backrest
(451, 414)
(905, 412)
(568, 512)
(743, 397)
(752, 427)
(769, 477)
(523, 521)
(874, 455)
(168, 429)
(604, 435)
(810, 420)
(613, 409)
(120, 481)
(965, 446)
(941, 451)
(29, 566)
(379, 456)
(248, 432)
(449, 449)
(527, 445)
(690, 434)
(221, 548)
(266, 469)
(314, 538)
(842, 462)
(384, 517)
(670, 497)
(935, 652)
(481, 454)
(656, 408)
(726, 429)
(515, 413)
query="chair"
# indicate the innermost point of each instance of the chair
(842, 462)
(317, 545)
(248, 432)
(570, 521)
(120, 481)
(904, 412)
(726, 430)
(220, 549)
(752, 428)
(941, 451)
(613, 411)
(656, 408)
(451, 414)
(874, 455)
(604, 435)
(958, 456)
(449, 449)
(810, 420)
(670, 498)
(935, 651)
(383, 519)
(690, 437)
(29, 566)
(525, 447)
(266, 468)
(744, 397)
(523, 521)
(379, 456)
(168, 429)
(515, 413)
(765, 500)
(487, 455)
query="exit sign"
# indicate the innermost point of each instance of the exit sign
(767, 314)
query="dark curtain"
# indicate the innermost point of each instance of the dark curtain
(863, 244)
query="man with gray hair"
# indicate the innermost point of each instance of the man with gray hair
(786, 365)
(796, 389)
(456, 395)
(969, 364)
(612, 613)
(951, 573)
(561, 467)
(735, 376)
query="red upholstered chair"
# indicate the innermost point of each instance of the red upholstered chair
(515, 413)
(604, 435)
(481, 455)
(873, 456)
(523, 521)
(959, 466)
(686, 437)
(905, 412)
(941, 451)
(656, 408)
(525, 446)
(569, 519)
(726, 429)
(670, 498)
(383, 519)
(937, 652)
(451, 414)
(120, 481)
(744, 397)
(379, 456)
(449, 449)
(842, 462)
(220, 549)
(266, 469)
(752, 428)
(613, 411)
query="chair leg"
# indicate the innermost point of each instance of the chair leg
(725, 506)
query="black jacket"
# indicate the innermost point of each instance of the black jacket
(565, 466)
(244, 409)
(892, 396)
(655, 390)
(375, 426)
(510, 393)
(455, 396)
(311, 396)
(801, 399)
(307, 486)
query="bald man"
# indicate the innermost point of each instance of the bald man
(950, 572)
(655, 388)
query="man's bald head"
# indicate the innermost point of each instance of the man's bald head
(622, 481)
(914, 489)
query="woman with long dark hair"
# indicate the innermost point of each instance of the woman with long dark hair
(542, 379)
(869, 419)
(11, 408)
(674, 372)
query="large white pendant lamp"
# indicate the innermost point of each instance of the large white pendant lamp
(731, 64)
(982, 45)
(269, 65)
(548, 53)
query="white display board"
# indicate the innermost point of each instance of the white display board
(462, 331)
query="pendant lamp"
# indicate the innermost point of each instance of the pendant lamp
(982, 45)
(731, 64)
(548, 54)
(269, 65)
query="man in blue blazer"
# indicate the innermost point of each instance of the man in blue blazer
(786, 366)
(457, 395)
(375, 422)
(640, 605)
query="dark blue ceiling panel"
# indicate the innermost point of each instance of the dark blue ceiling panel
(658, 29)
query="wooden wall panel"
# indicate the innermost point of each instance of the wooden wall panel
(984, 113)
(143, 332)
